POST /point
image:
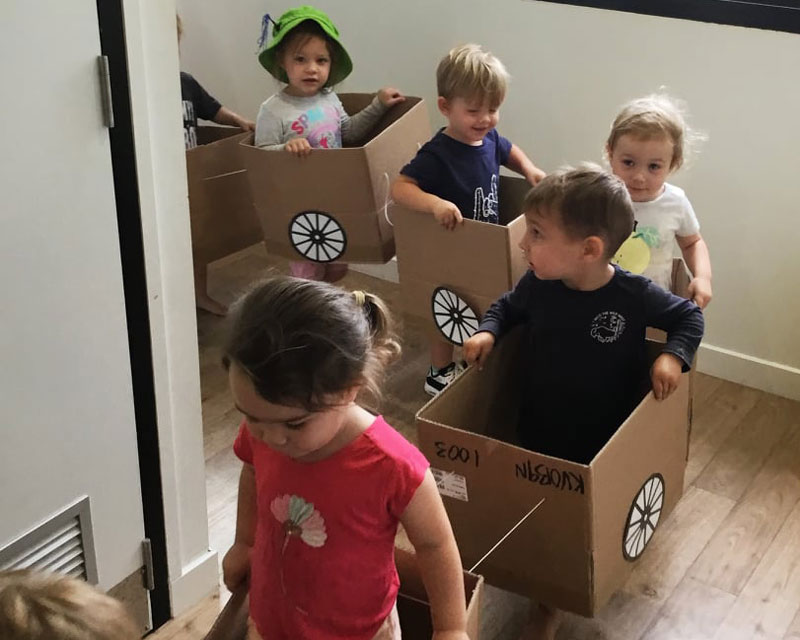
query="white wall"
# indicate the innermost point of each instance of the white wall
(572, 68)
(160, 159)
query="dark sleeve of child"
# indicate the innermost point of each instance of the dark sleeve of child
(511, 308)
(205, 105)
(425, 169)
(682, 320)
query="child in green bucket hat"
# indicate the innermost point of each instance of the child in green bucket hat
(306, 53)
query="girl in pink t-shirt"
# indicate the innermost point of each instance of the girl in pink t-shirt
(324, 482)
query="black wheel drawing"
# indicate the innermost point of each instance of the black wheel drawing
(317, 236)
(643, 517)
(452, 316)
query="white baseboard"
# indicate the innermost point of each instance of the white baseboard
(771, 377)
(386, 271)
(199, 579)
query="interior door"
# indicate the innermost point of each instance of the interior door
(67, 415)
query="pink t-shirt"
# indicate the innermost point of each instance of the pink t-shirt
(322, 566)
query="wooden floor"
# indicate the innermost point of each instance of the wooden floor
(724, 566)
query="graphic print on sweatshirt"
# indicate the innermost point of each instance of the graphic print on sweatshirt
(320, 126)
(607, 326)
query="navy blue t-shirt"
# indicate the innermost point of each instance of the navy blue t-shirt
(585, 365)
(465, 175)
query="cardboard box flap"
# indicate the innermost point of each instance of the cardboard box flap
(638, 479)
(680, 278)
(231, 624)
(219, 155)
(393, 146)
(512, 191)
(209, 134)
(518, 266)
(326, 180)
(412, 605)
(474, 463)
(223, 219)
(474, 254)
(355, 102)
(417, 296)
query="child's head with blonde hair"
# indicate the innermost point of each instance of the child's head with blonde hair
(652, 117)
(473, 74)
(43, 606)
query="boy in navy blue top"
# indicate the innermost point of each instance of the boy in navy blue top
(455, 175)
(586, 321)
(586, 318)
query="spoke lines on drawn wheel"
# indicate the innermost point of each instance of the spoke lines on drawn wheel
(317, 236)
(452, 316)
(643, 517)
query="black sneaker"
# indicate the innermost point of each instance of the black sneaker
(436, 380)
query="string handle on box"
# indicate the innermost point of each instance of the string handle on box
(387, 200)
(510, 531)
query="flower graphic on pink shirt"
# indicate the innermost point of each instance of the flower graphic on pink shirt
(300, 519)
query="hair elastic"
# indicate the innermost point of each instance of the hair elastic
(361, 297)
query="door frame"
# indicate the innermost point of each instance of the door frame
(131, 244)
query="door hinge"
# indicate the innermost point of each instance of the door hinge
(148, 576)
(105, 91)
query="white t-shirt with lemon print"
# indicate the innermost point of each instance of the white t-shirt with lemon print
(649, 249)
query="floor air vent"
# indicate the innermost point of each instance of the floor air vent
(62, 544)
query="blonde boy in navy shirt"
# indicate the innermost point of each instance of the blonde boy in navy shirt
(455, 175)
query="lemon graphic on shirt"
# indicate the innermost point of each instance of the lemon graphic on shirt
(634, 254)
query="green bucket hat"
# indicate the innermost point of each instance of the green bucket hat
(341, 65)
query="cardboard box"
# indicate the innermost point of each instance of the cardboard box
(464, 270)
(582, 541)
(332, 205)
(412, 606)
(222, 215)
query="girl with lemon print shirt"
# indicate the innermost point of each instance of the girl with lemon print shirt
(647, 143)
(324, 482)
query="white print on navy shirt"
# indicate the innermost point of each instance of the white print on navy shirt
(607, 326)
(486, 207)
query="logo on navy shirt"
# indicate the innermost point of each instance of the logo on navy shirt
(485, 209)
(607, 326)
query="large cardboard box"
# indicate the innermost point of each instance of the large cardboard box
(594, 520)
(221, 208)
(412, 605)
(333, 204)
(448, 279)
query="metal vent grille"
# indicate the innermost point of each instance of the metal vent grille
(63, 544)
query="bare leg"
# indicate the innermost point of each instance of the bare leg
(308, 270)
(441, 353)
(201, 298)
(543, 623)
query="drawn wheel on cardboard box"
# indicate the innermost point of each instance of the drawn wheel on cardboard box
(453, 317)
(643, 517)
(317, 236)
